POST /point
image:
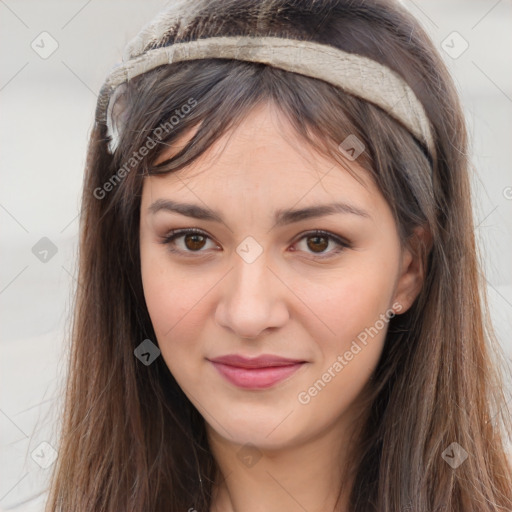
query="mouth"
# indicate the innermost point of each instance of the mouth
(250, 376)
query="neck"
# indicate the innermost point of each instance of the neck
(307, 475)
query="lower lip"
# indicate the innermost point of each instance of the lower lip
(256, 378)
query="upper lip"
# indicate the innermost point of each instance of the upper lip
(256, 362)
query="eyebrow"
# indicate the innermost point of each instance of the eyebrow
(282, 217)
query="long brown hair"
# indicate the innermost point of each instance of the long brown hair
(131, 440)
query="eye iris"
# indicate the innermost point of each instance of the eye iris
(194, 246)
(316, 238)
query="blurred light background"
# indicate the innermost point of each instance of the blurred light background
(55, 56)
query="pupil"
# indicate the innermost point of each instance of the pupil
(194, 242)
(316, 238)
(198, 244)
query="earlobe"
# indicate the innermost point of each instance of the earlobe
(412, 271)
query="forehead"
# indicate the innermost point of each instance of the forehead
(262, 161)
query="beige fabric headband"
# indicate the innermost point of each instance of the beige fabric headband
(355, 74)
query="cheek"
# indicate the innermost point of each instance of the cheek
(353, 302)
(356, 309)
(173, 299)
(347, 357)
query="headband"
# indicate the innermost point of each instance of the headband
(355, 74)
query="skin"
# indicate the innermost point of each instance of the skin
(284, 303)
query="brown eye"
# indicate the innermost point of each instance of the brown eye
(194, 242)
(318, 243)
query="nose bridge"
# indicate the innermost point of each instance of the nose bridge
(251, 278)
(251, 301)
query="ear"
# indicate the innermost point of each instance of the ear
(412, 269)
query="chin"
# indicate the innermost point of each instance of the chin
(266, 432)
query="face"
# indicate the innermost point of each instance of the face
(253, 279)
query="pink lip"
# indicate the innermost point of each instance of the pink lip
(256, 373)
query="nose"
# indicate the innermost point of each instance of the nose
(252, 300)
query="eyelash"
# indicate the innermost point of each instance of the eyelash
(177, 233)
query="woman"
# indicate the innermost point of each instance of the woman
(243, 344)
